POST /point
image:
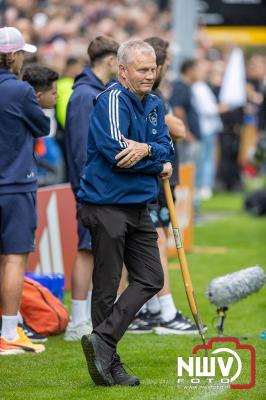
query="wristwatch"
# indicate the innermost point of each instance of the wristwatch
(149, 151)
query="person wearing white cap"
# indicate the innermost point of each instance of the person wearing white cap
(12, 47)
(22, 120)
(11, 40)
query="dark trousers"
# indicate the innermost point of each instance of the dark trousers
(121, 234)
(229, 169)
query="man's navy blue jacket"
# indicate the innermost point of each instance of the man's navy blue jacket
(21, 120)
(86, 87)
(119, 112)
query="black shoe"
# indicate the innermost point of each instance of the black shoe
(32, 335)
(140, 326)
(180, 325)
(120, 375)
(152, 318)
(99, 357)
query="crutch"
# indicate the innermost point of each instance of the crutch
(182, 259)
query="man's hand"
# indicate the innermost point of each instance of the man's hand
(167, 171)
(132, 154)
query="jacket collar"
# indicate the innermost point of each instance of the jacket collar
(6, 75)
(149, 102)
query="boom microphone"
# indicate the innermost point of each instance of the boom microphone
(231, 288)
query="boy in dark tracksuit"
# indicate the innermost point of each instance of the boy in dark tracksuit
(103, 67)
(128, 147)
(22, 120)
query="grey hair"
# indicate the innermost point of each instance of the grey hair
(126, 49)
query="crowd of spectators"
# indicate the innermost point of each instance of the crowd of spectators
(62, 29)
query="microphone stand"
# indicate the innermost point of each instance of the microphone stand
(221, 317)
(221, 311)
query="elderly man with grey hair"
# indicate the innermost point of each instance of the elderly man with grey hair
(129, 147)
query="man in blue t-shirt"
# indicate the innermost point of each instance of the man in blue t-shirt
(181, 101)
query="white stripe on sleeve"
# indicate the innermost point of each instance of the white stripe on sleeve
(114, 117)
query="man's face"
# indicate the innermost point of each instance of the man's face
(161, 72)
(193, 73)
(140, 73)
(48, 98)
(18, 59)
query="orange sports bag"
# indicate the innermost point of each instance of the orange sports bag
(41, 310)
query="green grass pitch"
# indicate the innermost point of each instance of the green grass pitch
(60, 372)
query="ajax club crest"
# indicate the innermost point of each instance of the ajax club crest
(153, 118)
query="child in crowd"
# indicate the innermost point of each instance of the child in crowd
(48, 154)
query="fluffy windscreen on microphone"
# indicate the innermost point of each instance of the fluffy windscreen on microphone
(231, 288)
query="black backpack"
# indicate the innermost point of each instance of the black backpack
(255, 202)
